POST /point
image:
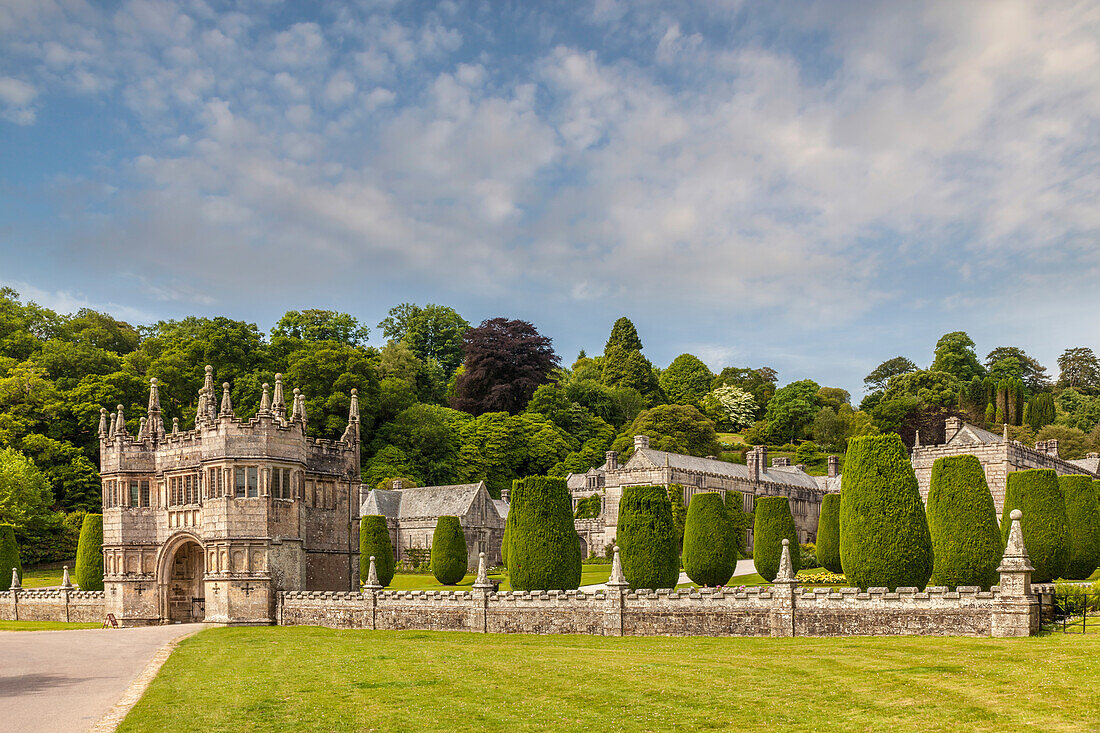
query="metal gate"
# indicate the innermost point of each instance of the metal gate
(1070, 609)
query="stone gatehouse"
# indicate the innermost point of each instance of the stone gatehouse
(212, 523)
(650, 467)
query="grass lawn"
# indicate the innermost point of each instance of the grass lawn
(40, 577)
(591, 574)
(43, 626)
(309, 678)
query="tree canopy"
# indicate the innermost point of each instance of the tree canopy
(505, 362)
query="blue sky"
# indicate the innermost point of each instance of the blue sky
(811, 186)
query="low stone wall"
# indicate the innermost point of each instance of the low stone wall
(779, 610)
(52, 605)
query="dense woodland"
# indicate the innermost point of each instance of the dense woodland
(444, 401)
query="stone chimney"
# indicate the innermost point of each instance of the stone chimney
(781, 462)
(506, 496)
(641, 441)
(612, 458)
(834, 466)
(397, 484)
(952, 426)
(1092, 455)
(757, 460)
(801, 467)
(1052, 448)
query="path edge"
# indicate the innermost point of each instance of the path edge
(113, 717)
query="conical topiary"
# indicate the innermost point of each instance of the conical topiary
(374, 540)
(773, 524)
(89, 553)
(828, 533)
(1036, 493)
(449, 560)
(884, 539)
(646, 535)
(1083, 525)
(962, 520)
(9, 556)
(544, 552)
(709, 554)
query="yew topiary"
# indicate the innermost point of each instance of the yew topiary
(1036, 493)
(962, 520)
(544, 552)
(449, 560)
(772, 525)
(884, 538)
(9, 556)
(828, 533)
(1083, 525)
(709, 555)
(374, 539)
(89, 553)
(646, 535)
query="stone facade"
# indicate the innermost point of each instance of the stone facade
(999, 456)
(211, 523)
(647, 466)
(53, 604)
(412, 513)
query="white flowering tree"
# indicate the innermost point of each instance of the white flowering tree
(733, 405)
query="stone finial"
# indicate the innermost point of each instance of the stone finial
(155, 423)
(227, 403)
(65, 582)
(207, 407)
(265, 401)
(617, 579)
(302, 408)
(1004, 432)
(278, 405)
(372, 576)
(482, 580)
(102, 422)
(175, 426)
(916, 438)
(786, 570)
(1015, 567)
(111, 430)
(120, 425)
(143, 428)
(15, 584)
(294, 405)
(351, 433)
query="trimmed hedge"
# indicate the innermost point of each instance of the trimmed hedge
(962, 520)
(1083, 525)
(9, 556)
(544, 552)
(828, 533)
(1036, 493)
(884, 538)
(89, 554)
(449, 559)
(772, 525)
(709, 555)
(646, 535)
(374, 539)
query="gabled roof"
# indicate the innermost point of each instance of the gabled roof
(422, 501)
(501, 507)
(969, 434)
(788, 475)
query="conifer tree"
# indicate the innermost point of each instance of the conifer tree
(709, 556)
(646, 537)
(1083, 526)
(962, 519)
(544, 551)
(774, 523)
(1036, 493)
(449, 558)
(89, 553)
(828, 534)
(374, 539)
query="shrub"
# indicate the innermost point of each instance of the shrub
(588, 507)
(9, 556)
(884, 538)
(962, 520)
(543, 550)
(89, 554)
(828, 533)
(449, 559)
(709, 556)
(374, 539)
(807, 553)
(1035, 492)
(647, 538)
(1083, 526)
(740, 520)
(773, 524)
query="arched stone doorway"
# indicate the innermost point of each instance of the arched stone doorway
(180, 581)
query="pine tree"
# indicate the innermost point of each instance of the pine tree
(884, 538)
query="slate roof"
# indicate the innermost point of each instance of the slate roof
(970, 434)
(1090, 463)
(788, 475)
(502, 507)
(422, 501)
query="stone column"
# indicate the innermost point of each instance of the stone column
(1015, 609)
(66, 586)
(617, 587)
(481, 590)
(783, 590)
(371, 589)
(16, 586)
